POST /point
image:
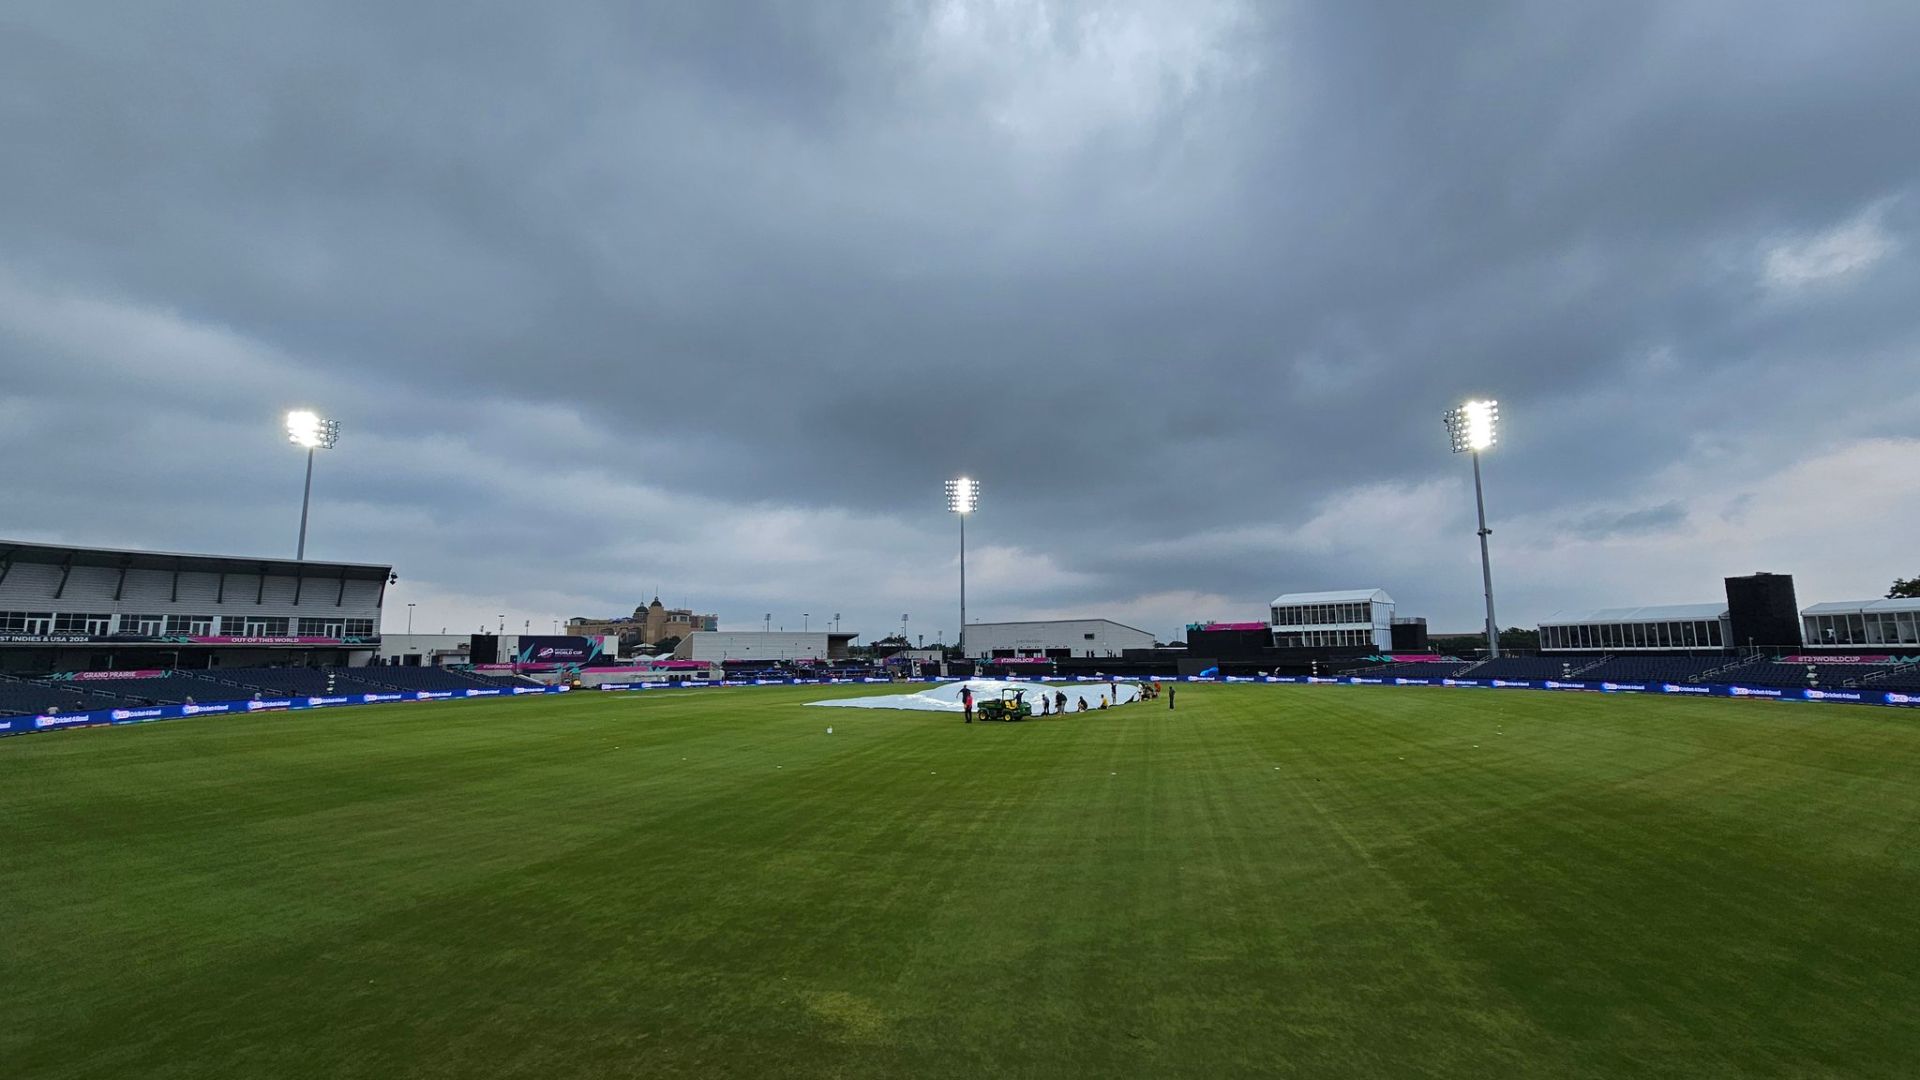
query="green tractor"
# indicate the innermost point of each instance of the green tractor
(1012, 705)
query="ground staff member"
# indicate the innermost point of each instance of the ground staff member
(966, 701)
(1170, 691)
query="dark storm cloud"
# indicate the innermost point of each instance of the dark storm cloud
(1188, 285)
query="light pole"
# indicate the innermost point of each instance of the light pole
(963, 498)
(1474, 427)
(409, 620)
(769, 618)
(306, 428)
(806, 622)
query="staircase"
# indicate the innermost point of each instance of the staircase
(1584, 668)
(1743, 661)
(1865, 680)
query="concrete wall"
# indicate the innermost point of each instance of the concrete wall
(720, 645)
(1083, 637)
(432, 649)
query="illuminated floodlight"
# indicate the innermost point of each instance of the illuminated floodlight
(309, 430)
(1474, 426)
(963, 496)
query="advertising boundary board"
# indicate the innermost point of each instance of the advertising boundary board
(147, 714)
(24, 725)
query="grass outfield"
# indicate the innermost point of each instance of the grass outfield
(1273, 881)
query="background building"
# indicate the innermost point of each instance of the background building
(1340, 619)
(1058, 639)
(1660, 627)
(425, 650)
(1759, 612)
(68, 608)
(723, 645)
(1851, 623)
(648, 625)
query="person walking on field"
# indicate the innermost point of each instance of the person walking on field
(1170, 691)
(966, 702)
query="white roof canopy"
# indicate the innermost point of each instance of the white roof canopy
(1854, 607)
(1338, 596)
(1653, 614)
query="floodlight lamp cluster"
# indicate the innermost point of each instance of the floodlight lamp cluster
(307, 429)
(963, 495)
(1474, 426)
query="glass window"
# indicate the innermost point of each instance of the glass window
(26, 622)
(191, 625)
(143, 625)
(76, 623)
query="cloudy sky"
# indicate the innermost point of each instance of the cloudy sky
(710, 298)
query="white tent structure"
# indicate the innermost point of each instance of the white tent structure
(1341, 618)
(1863, 622)
(946, 696)
(1662, 626)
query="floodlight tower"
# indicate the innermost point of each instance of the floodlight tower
(963, 498)
(1474, 427)
(308, 429)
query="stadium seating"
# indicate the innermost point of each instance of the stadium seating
(1433, 670)
(30, 698)
(1800, 676)
(433, 679)
(1531, 667)
(1654, 668)
(26, 697)
(287, 681)
(1905, 680)
(175, 688)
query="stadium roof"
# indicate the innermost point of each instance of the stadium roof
(12, 551)
(1338, 596)
(1052, 622)
(1655, 613)
(1849, 607)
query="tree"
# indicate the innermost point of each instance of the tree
(667, 644)
(1516, 639)
(1906, 588)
